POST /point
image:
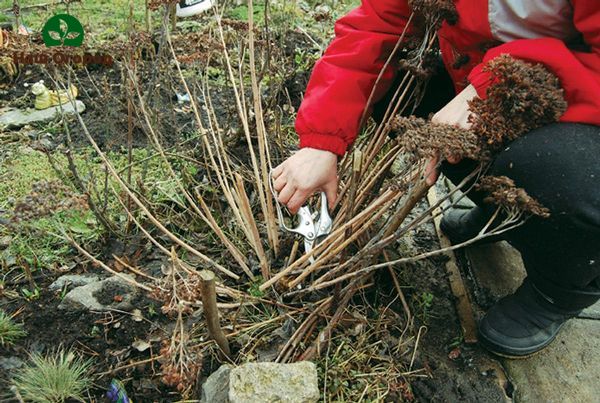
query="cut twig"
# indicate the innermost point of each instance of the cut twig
(211, 313)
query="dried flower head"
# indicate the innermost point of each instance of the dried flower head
(181, 362)
(179, 296)
(425, 139)
(421, 64)
(503, 192)
(522, 97)
(434, 12)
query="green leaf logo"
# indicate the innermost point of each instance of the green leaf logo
(62, 30)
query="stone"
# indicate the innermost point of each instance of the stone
(108, 294)
(593, 312)
(216, 387)
(13, 118)
(263, 382)
(566, 371)
(5, 241)
(10, 363)
(272, 382)
(497, 268)
(458, 199)
(73, 280)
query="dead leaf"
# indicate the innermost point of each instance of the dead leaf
(136, 315)
(141, 345)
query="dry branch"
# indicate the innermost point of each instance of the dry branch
(211, 312)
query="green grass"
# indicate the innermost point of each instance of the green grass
(54, 378)
(10, 331)
(34, 241)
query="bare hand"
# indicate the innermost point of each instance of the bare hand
(455, 113)
(307, 171)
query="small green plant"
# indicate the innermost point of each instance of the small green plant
(31, 295)
(9, 330)
(54, 378)
(254, 288)
(424, 302)
(95, 331)
(456, 342)
(152, 311)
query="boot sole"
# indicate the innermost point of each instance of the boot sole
(504, 351)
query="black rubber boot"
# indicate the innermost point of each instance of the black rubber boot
(460, 225)
(523, 323)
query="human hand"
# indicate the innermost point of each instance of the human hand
(307, 171)
(455, 113)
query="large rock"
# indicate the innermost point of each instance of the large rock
(216, 387)
(266, 382)
(13, 118)
(112, 293)
(73, 280)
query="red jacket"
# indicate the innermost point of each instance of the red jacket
(533, 30)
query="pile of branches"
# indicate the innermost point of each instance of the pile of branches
(224, 218)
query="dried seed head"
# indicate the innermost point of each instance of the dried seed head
(425, 139)
(503, 192)
(523, 97)
(434, 12)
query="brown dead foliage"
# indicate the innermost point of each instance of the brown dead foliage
(426, 139)
(503, 192)
(523, 97)
(434, 11)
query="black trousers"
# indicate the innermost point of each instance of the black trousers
(558, 165)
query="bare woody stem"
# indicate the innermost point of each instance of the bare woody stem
(211, 313)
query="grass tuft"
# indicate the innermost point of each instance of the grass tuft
(9, 330)
(54, 378)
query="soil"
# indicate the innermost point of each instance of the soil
(453, 370)
(104, 337)
(456, 371)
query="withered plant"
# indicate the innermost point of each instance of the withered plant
(221, 215)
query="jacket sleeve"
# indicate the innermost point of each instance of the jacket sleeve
(342, 80)
(578, 72)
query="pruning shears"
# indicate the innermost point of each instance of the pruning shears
(313, 227)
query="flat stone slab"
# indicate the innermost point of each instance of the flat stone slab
(13, 118)
(566, 371)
